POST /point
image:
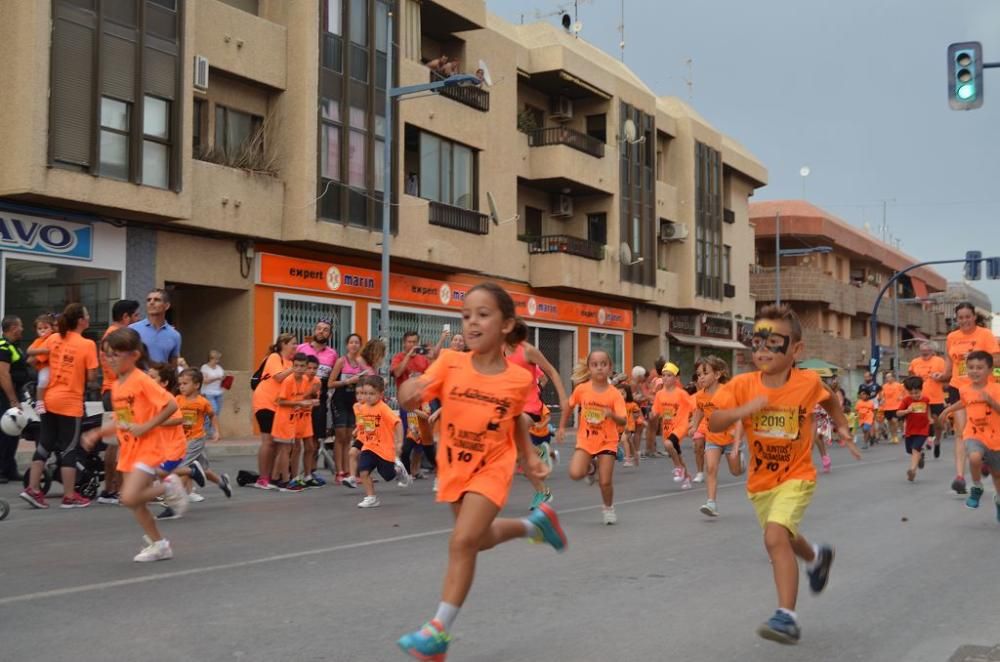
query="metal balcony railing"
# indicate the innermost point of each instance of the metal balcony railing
(563, 135)
(457, 218)
(561, 243)
(470, 95)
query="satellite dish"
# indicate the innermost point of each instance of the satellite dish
(487, 78)
(625, 255)
(566, 21)
(804, 171)
(631, 132)
(578, 27)
(494, 214)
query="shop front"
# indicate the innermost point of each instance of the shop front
(48, 262)
(293, 293)
(693, 336)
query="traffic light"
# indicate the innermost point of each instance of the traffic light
(965, 75)
(993, 268)
(973, 265)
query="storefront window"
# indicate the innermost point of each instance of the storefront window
(613, 344)
(683, 357)
(33, 288)
(299, 316)
(559, 347)
(428, 324)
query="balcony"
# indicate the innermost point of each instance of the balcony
(470, 95)
(560, 243)
(814, 286)
(563, 135)
(457, 218)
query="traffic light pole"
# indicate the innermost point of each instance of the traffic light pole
(876, 351)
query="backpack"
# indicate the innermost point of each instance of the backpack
(258, 376)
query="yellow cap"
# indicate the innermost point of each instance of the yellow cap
(671, 368)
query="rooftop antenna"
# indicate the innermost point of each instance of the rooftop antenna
(689, 80)
(621, 31)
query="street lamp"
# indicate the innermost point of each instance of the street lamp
(788, 252)
(390, 94)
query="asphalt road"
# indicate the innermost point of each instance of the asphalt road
(302, 577)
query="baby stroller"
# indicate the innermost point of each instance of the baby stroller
(89, 466)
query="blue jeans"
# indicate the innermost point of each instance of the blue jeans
(216, 402)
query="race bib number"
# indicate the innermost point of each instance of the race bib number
(668, 413)
(189, 418)
(919, 407)
(960, 368)
(368, 424)
(124, 415)
(412, 420)
(777, 423)
(593, 415)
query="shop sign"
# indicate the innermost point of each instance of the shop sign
(682, 324)
(744, 332)
(298, 273)
(717, 327)
(43, 236)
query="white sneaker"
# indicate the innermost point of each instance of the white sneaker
(369, 502)
(405, 479)
(678, 474)
(350, 481)
(609, 516)
(555, 456)
(699, 477)
(435, 488)
(686, 485)
(710, 509)
(194, 497)
(175, 496)
(155, 551)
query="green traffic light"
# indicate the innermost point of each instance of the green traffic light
(966, 91)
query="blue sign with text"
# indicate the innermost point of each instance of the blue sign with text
(33, 234)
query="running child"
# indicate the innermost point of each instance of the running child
(633, 416)
(915, 410)
(140, 408)
(602, 410)
(673, 407)
(865, 410)
(482, 432)
(980, 400)
(712, 373)
(775, 404)
(292, 421)
(195, 410)
(381, 434)
(892, 395)
(418, 440)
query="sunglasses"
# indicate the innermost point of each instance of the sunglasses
(775, 343)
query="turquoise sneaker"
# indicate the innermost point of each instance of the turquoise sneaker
(547, 522)
(975, 494)
(540, 498)
(429, 643)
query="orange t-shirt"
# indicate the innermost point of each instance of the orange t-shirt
(959, 345)
(376, 428)
(108, 375)
(541, 428)
(703, 400)
(290, 421)
(193, 411)
(982, 422)
(780, 435)
(674, 407)
(632, 413)
(892, 395)
(933, 389)
(267, 390)
(138, 399)
(69, 360)
(600, 432)
(476, 449)
(41, 360)
(866, 411)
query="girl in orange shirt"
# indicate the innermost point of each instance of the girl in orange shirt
(713, 372)
(481, 434)
(634, 415)
(673, 406)
(602, 410)
(140, 408)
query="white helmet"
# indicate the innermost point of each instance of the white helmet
(13, 422)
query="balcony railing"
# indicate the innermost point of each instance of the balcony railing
(470, 95)
(563, 135)
(560, 243)
(457, 218)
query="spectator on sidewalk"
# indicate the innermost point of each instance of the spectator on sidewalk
(319, 346)
(162, 340)
(412, 361)
(212, 374)
(13, 377)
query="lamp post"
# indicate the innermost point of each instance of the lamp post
(390, 94)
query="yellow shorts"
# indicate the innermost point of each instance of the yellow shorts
(784, 504)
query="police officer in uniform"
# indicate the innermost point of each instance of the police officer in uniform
(13, 376)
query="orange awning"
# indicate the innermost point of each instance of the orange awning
(919, 287)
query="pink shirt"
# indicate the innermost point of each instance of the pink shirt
(533, 405)
(327, 357)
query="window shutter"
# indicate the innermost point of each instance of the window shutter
(160, 75)
(118, 58)
(71, 120)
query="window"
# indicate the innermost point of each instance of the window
(708, 222)
(115, 122)
(597, 127)
(357, 160)
(198, 128)
(532, 222)
(249, 6)
(597, 228)
(237, 134)
(447, 171)
(530, 118)
(636, 200)
(156, 142)
(330, 157)
(727, 264)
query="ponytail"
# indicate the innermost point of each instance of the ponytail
(70, 318)
(518, 334)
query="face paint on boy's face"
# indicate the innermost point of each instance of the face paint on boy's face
(764, 338)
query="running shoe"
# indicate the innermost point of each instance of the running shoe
(197, 473)
(710, 509)
(319, 481)
(827, 464)
(958, 485)
(911, 474)
(108, 498)
(429, 643)
(292, 486)
(610, 517)
(628, 463)
(819, 573)
(167, 513)
(174, 494)
(369, 502)
(154, 551)
(339, 476)
(781, 628)
(74, 500)
(264, 484)
(699, 478)
(226, 485)
(591, 474)
(547, 523)
(975, 494)
(349, 481)
(540, 498)
(937, 451)
(405, 480)
(920, 464)
(686, 485)
(555, 456)
(194, 497)
(36, 498)
(312, 484)
(435, 487)
(678, 474)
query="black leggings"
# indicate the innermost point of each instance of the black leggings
(409, 445)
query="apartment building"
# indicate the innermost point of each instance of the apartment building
(232, 152)
(834, 292)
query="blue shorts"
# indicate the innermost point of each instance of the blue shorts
(538, 441)
(867, 427)
(710, 446)
(170, 465)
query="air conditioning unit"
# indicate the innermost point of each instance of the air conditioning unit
(729, 291)
(670, 231)
(200, 72)
(561, 108)
(562, 206)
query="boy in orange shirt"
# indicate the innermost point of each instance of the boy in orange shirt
(292, 421)
(892, 394)
(980, 399)
(865, 409)
(195, 409)
(775, 404)
(381, 433)
(674, 407)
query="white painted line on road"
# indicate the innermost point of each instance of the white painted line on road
(103, 586)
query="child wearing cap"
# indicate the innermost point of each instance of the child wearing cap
(674, 407)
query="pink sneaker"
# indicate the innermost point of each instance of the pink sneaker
(264, 484)
(686, 485)
(678, 474)
(74, 500)
(827, 464)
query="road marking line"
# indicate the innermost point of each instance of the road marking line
(101, 586)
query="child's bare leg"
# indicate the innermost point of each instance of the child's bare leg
(712, 457)
(309, 458)
(782, 549)
(733, 458)
(352, 460)
(366, 482)
(605, 472)
(976, 467)
(699, 454)
(138, 490)
(281, 461)
(579, 464)
(295, 459)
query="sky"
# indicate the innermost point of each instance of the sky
(856, 90)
